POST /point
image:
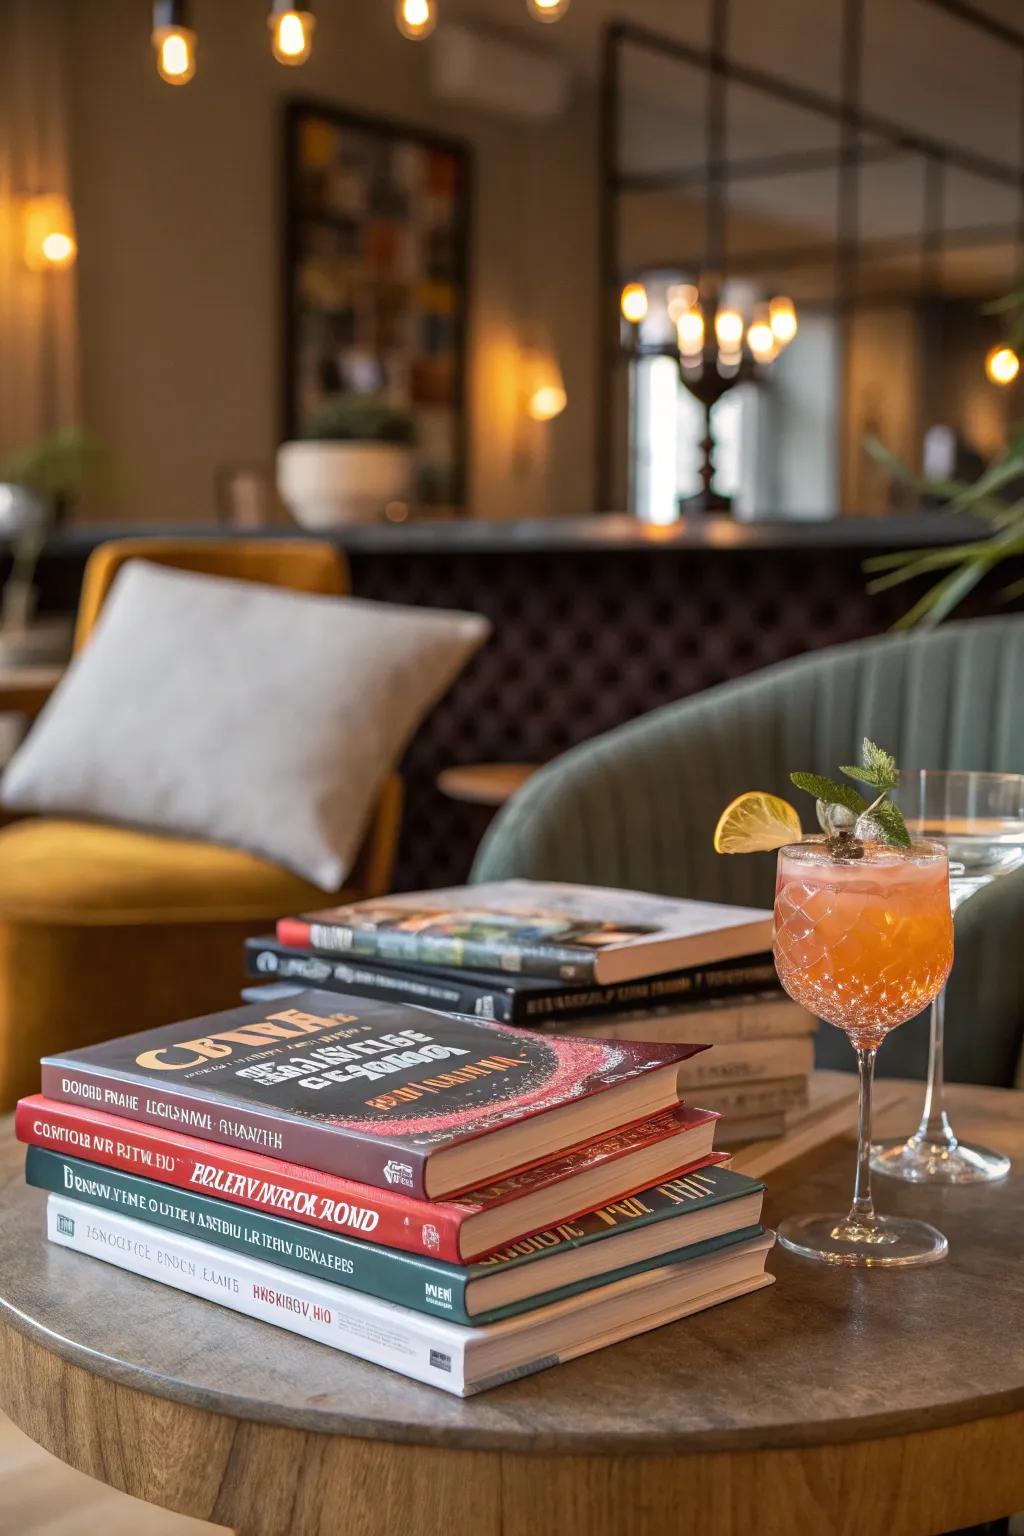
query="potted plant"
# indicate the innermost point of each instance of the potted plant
(37, 486)
(353, 458)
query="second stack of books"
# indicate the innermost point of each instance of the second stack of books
(586, 962)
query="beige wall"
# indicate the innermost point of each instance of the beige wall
(177, 195)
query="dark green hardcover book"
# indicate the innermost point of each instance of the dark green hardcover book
(722, 1207)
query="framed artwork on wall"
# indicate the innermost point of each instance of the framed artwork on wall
(376, 280)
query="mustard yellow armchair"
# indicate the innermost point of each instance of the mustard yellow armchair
(104, 930)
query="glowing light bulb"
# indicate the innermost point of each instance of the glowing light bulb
(633, 303)
(729, 329)
(782, 318)
(547, 402)
(291, 35)
(1002, 365)
(547, 10)
(681, 297)
(760, 337)
(50, 244)
(416, 18)
(761, 341)
(690, 331)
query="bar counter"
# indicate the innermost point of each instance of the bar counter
(596, 620)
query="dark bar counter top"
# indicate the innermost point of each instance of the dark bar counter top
(595, 621)
(609, 532)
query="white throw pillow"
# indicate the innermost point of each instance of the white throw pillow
(242, 714)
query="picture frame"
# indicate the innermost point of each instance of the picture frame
(376, 280)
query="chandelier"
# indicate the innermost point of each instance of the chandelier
(715, 348)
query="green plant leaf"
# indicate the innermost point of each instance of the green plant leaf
(888, 817)
(1008, 301)
(831, 792)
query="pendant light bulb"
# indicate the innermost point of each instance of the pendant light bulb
(416, 18)
(174, 41)
(291, 32)
(547, 10)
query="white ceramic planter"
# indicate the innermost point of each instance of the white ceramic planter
(324, 484)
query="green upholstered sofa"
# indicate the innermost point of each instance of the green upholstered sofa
(637, 806)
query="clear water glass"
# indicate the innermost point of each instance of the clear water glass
(979, 818)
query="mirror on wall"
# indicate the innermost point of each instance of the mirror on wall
(456, 233)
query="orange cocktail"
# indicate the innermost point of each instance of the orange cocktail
(865, 943)
(864, 939)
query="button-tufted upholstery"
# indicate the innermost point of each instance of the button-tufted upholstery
(636, 807)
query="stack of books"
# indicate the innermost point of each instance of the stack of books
(461, 1200)
(583, 961)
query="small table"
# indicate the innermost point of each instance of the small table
(484, 783)
(863, 1403)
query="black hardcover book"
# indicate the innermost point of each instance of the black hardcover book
(506, 999)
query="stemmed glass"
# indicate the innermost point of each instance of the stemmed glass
(979, 817)
(864, 939)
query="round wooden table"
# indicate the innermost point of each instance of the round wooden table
(870, 1402)
(484, 783)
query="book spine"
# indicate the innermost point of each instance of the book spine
(697, 985)
(328, 1148)
(747, 1061)
(741, 1100)
(434, 1288)
(748, 1021)
(352, 1209)
(266, 961)
(546, 960)
(416, 1346)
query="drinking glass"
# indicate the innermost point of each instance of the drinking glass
(979, 817)
(865, 942)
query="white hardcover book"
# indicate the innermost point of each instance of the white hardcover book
(756, 1016)
(458, 1359)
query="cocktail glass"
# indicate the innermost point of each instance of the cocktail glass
(864, 942)
(979, 817)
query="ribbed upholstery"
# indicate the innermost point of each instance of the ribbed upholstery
(637, 806)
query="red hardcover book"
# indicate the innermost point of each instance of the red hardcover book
(459, 1231)
(395, 1096)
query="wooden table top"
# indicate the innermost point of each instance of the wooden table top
(826, 1356)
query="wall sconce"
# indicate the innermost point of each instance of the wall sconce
(543, 387)
(1002, 365)
(50, 244)
(291, 32)
(174, 41)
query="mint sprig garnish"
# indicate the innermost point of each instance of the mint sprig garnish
(881, 817)
(830, 792)
(877, 769)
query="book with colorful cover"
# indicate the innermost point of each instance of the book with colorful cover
(571, 933)
(505, 998)
(704, 1206)
(459, 1359)
(398, 1097)
(457, 1230)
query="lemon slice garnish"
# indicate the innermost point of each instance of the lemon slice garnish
(756, 822)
